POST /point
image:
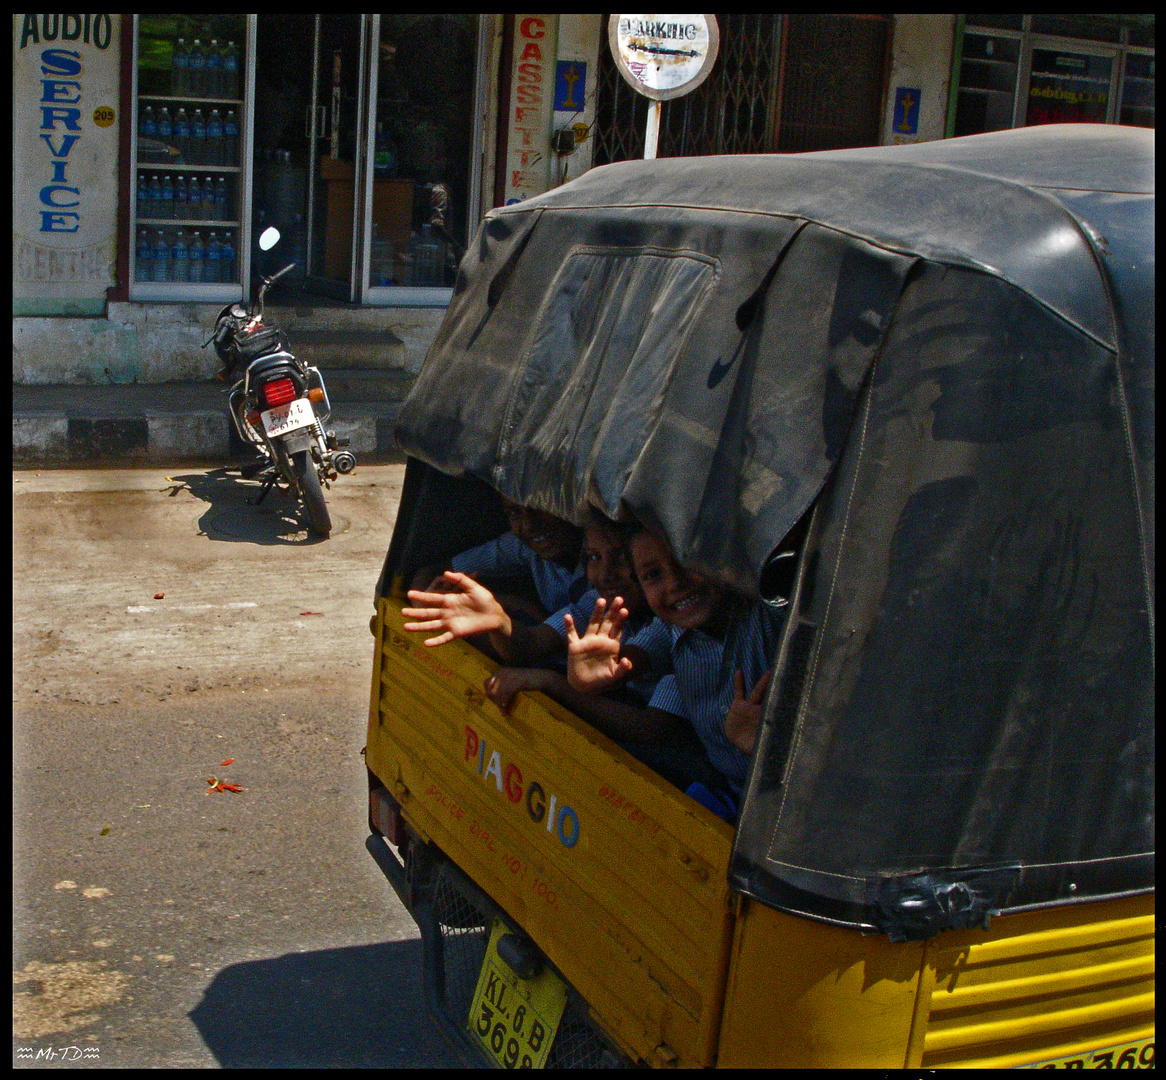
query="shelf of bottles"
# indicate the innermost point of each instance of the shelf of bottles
(191, 157)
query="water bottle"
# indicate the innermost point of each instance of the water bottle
(198, 69)
(214, 70)
(167, 198)
(165, 128)
(182, 134)
(428, 258)
(197, 253)
(161, 269)
(148, 125)
(181, 199)
(384, 154)
(179, 260)
(231, 139)
(198, 138)
(143, 196)
(231, 71)
(155, 197)
(180, 69)
(227, 258)
(214, 138)
(145, 257)
(212, 271)
(207, 199)
(221, 200)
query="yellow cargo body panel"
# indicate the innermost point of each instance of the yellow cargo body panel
(1041, 986)
(619, 877)
(804, 994)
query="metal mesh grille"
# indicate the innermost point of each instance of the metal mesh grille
(464, 935)
(731, 112)
(834, 79)
(827, 93)
(463, 928)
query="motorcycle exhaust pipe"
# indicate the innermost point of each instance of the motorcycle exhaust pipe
(343, 461)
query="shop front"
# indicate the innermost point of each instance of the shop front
(152, 150)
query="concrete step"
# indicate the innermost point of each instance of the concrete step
(164, 422)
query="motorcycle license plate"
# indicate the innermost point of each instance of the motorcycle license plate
(290, 417)
(515, 1019)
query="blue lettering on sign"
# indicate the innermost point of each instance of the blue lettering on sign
(59, 89)
(60, 62)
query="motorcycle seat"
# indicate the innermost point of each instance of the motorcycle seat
(271, 362)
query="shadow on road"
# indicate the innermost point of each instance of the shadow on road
(360, 1006)
(232, 515)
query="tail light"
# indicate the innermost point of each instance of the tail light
(279, 392)
(384, 815)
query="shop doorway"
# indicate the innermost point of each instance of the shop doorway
(365, 136)
(307, 94)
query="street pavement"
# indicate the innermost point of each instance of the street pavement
(166, 634)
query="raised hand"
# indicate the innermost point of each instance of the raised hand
(468, 609)
(593, 660)
(744, 717)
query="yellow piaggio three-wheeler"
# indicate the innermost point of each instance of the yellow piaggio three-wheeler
(906, 396)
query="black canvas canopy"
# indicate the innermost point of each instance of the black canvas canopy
(947, 350)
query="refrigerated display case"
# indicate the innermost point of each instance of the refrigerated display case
(193, 93)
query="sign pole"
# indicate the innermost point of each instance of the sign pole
(652, 130)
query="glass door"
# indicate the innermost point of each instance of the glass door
(335, 153)
(422, 176)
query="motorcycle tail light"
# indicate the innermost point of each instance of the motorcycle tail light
(279, 392)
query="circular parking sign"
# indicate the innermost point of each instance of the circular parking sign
(664, 56)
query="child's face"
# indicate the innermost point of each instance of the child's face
(609, 568)
(675, 595)
(547, 536)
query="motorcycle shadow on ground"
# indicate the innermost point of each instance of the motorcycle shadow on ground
(233, 516)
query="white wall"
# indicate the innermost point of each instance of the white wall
(921, 55)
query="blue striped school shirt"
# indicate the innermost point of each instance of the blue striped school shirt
(700, 687)
(507, 556)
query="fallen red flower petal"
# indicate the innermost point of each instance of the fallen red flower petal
(231, 787)
(229, 761)
(159, 596)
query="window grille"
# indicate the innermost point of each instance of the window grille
(827, 93)
(835, 78)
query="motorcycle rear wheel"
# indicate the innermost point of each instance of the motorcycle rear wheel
(308, 481)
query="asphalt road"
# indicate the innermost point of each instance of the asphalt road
(161, 628)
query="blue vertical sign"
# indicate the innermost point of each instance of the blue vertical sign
(570, 85)
(906, 121)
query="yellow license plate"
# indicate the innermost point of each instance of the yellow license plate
(515, 1019)
(1132, 1055)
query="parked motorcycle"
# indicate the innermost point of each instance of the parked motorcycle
(279, 404)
